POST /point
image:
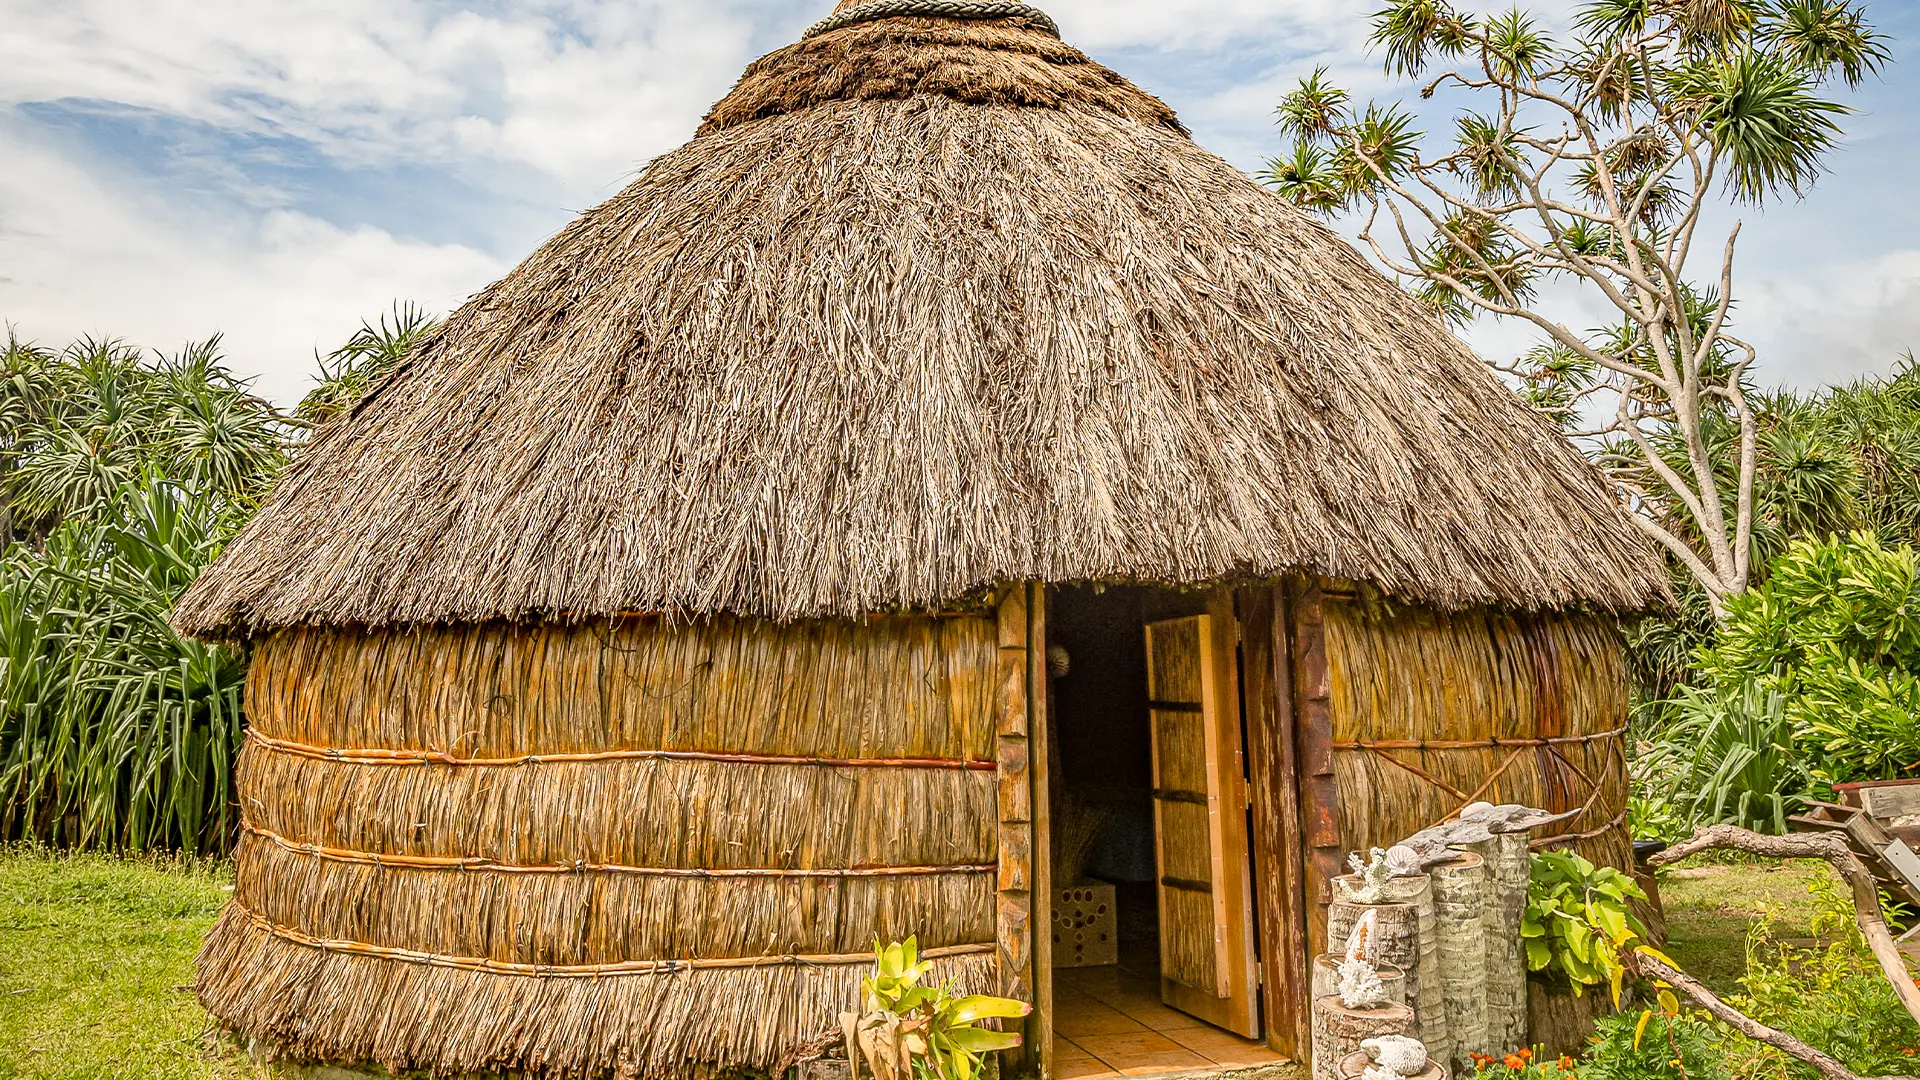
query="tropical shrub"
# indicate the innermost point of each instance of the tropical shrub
(1577, 921)
(1729, 757)
(930, 1030)
(114, 730)
(120, 479)
(1835, 633)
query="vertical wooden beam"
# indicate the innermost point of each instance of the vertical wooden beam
(1040, 1028)
(1313, 743)
(1014, 926)
(1279, 859)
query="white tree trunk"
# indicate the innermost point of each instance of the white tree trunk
(1510, 867)
(1423, 972)
(1459, 900)
(1338, 1031)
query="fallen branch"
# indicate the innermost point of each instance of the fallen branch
(1833, 850)
(1647, 967)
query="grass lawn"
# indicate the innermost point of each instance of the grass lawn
(95, 954)
(1710, 907)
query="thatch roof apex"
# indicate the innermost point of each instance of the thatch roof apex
(927, 306)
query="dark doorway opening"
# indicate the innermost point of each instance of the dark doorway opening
(1109, 1016)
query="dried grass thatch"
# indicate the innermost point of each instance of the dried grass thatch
(928, 305)
(1553, 688)
(720, 821)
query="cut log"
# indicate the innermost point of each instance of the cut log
(1460, 903)
(1338, 1031)
(1326, 978)
(1356, 1064)
(1423, 977)
(1561, 1023)
(1509, 869)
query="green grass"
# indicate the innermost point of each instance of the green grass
(95, 955)
(1711, 905)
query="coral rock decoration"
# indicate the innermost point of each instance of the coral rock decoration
(1394, 1056)
(1359, 981)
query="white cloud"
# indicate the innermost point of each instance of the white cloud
(77, 258)
(1830, 324)
(583, 91)
(1191, 24)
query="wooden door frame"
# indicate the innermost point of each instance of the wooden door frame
(1286, 686)
(1296, 822)
(1023, 917)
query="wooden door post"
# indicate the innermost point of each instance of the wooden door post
(1279, 860)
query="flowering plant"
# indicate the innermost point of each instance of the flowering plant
(1524, 1064)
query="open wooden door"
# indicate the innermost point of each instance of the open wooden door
(1208, 966)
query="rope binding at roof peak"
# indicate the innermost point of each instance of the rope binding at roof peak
(934, 9)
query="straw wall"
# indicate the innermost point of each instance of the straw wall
(629, 848)
(1420, 697)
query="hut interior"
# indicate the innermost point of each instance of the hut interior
(1134, 925)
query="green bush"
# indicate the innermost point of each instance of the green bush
(1832, 996)
(1670, 1047)
(1835, 633)
(1577, 921)
(114, 730)
(1728, 757)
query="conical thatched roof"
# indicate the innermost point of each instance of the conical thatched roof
(927, 304)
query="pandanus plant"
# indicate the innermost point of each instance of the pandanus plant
(906, 1031)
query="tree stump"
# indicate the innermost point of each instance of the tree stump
(1338, 1030)
(1560, 1022)
(1423, 977)
(1510, 869)
(1326, 978)
(1356, 1065)
(1459, 903)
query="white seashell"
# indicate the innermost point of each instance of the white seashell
(1402, 861)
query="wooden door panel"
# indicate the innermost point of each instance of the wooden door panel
(1208, 966)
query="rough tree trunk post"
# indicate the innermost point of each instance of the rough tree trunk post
(1338, 1030)
(1509, 870)
(1561, 1022)
(1423, 976)
(1398, 944)
(1834, 852)
(1459, 902)
(1326, 978)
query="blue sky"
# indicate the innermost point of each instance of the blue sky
(277, 170)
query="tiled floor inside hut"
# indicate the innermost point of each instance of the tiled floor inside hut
(1108, 1021)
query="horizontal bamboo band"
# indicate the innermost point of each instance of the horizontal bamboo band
(579, 971)
(480, 863)
(1475, 744)
(436, 757)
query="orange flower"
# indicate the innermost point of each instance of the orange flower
(1565, 1063)
(1515, 1061)
(1525, 1053)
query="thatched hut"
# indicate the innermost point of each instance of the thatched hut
(674, 622)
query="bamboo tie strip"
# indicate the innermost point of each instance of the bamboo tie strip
(580, 971)
(1476, 744)
(483, 864)
(365, 756)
